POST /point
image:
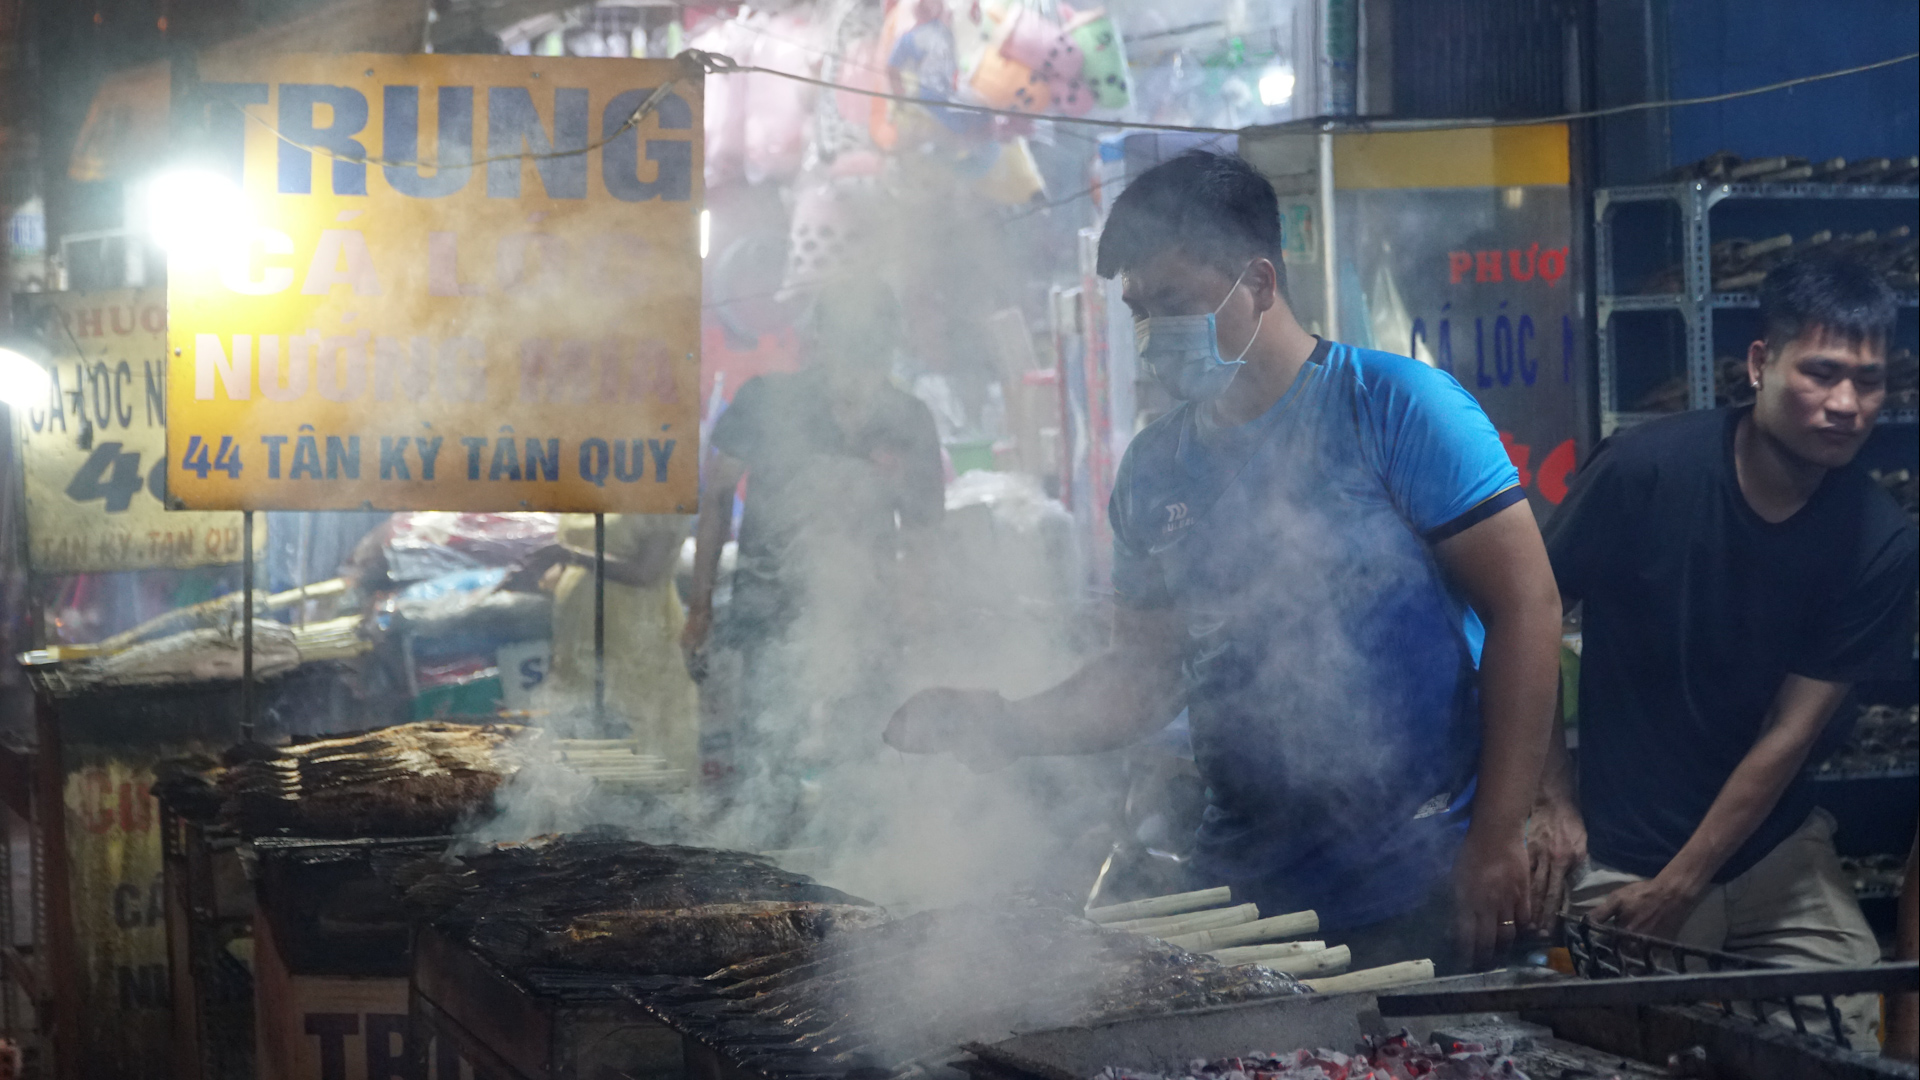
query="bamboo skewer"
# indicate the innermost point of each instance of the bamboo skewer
(1315, 962)
(1277, 928)
(1158, 906)
(1280, 950)
(1260, 954)
(1188, 924)
(1380, 978)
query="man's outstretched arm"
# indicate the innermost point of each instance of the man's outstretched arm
(1501, 564)
(1660, 905)
(1129, 691)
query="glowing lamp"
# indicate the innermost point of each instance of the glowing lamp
(24, 383)
(196, 215)
(1276, 86)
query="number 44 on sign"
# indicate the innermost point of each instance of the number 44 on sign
(226, 459)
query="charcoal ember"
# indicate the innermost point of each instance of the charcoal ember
(881, 1000)
(1394, 1058)
(409, 780)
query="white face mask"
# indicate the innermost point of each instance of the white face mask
(1183, 351)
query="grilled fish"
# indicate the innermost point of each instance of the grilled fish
(408, 780)
(689, 941)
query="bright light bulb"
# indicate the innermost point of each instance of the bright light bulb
(706, 231)
(1276, 86)
(23, 383)
(197, 215)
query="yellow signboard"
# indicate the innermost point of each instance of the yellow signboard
(119, 921)
(95, 453)
(447, 282)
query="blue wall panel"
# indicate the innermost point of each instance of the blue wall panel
(1721, 45)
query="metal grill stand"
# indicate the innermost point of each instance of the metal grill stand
(530, 1025)
(1603, 952)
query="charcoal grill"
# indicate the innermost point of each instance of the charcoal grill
(1167, 1043)
(531, 1023)
(1629, 1018)
(330, 911)
(1602, 952)
(853, 1010)
(485, 979)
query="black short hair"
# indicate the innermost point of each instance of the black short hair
(1215, 208)
(1827, 292)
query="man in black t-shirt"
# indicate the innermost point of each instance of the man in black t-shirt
(843, 480)
(1738, 574)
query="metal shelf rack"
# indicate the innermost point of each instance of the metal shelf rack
(1695, 201)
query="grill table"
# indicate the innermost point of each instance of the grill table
(534, 1024)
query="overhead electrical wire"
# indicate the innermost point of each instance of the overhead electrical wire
(633, 119)
(717, 64)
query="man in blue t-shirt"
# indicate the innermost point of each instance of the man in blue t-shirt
(1324, 554)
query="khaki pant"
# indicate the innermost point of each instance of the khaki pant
(647, 681)
(1794, 906)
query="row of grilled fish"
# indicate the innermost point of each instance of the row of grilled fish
(602, 902)
(408, 780)
(884, 999)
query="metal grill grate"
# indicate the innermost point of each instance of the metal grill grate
(1605, 952)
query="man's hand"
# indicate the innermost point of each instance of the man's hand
(972, 725)
(1556, 848)
(530, 575)
(1657, 907)
(693, 641)
(1489, 896)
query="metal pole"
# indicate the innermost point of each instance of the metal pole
(599, 621)
(1329, 251)
(246, 626)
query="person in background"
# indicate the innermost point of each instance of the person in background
(1325, 555)
(1738, 573)
(844, 488)
(647, 685)
(1903, 1010)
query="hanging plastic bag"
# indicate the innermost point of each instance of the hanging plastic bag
(1103, 67)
